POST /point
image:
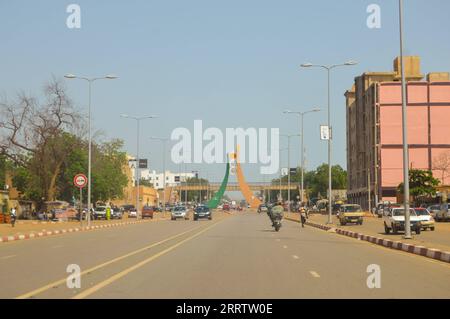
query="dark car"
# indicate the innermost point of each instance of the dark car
(127, 208)
(148, 212)
(202, 211)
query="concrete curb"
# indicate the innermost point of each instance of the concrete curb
(413, 249)
(5, 239)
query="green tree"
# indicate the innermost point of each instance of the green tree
(422, 184)
(195, 195)
(316, 181)
(108, 178)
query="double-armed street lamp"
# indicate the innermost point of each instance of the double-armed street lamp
(302, 160)
(289, 136)
(138, 120)
(328, 68)
(90, 81)
(164, 141)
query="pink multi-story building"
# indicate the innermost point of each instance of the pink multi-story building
(374, 130)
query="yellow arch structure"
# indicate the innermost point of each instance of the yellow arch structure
(253, 201)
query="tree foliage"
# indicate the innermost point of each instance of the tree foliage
(421, 184)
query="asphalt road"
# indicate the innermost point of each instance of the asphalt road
(235, 256)
(439, 238)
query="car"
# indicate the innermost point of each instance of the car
(394, 220)
(127, 208)
(148, 212)
(350, 213)
(220, 207)
(132, 213)
(116, 213)
(443, 214)
(179, 212)
(262, 208)
(100, 212)
(202, 211)
(434, 209)
(426, 220)
(226, 207)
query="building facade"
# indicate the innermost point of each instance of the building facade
(172, 179)
(374, 129)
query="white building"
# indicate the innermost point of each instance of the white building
(172, 179)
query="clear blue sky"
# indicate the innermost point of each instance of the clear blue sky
(230, 63)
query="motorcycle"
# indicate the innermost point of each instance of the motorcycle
(277, 224)
(13, 220)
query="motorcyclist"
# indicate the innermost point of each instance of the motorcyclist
(303, 215)
(276, 212)
(13, 216)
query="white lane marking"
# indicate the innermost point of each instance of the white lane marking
(278, 239)
(284, 246)
(7, 257)
(314, 274)
(295, 257)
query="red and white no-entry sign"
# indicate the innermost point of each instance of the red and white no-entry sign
(80, 180)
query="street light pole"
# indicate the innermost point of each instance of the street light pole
(329, 68)
(137, 168)
(90, 80)
(405, 132)
(163, 140)
(289, 166)
(302, 159)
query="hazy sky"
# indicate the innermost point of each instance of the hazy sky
(230, 63)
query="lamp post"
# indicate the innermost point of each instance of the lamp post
(404, 131)
(329, 68)
(289, 136)
(280, 196)
(90, 81)
(302, 160)
(164, 141)
(138, 120)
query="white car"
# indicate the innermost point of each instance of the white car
(132, 213)
(179, 212)
(426, 220)
(443, 213)
(394, 219)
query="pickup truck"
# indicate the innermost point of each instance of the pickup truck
(350, 213)
(394, 220)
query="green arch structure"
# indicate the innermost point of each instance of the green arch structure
(215, 201)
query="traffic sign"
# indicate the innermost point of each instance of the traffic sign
(80, 180)
(325, 132)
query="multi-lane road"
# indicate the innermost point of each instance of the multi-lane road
(231, 256)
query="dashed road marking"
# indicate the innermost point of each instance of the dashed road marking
(7, 257)
(314, 274)
(295, 257)
(285, 247)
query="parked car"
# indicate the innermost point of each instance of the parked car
(443, 214)
(394, 220)
(179, 212)
(148, 212)
(132, 213)
(426, 220)
(226, 207)
(127, 208)
(433, 209)
(350, 213)
(202, 211)
(100, 212)
(116, 213)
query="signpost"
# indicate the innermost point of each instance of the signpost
(80, 181)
